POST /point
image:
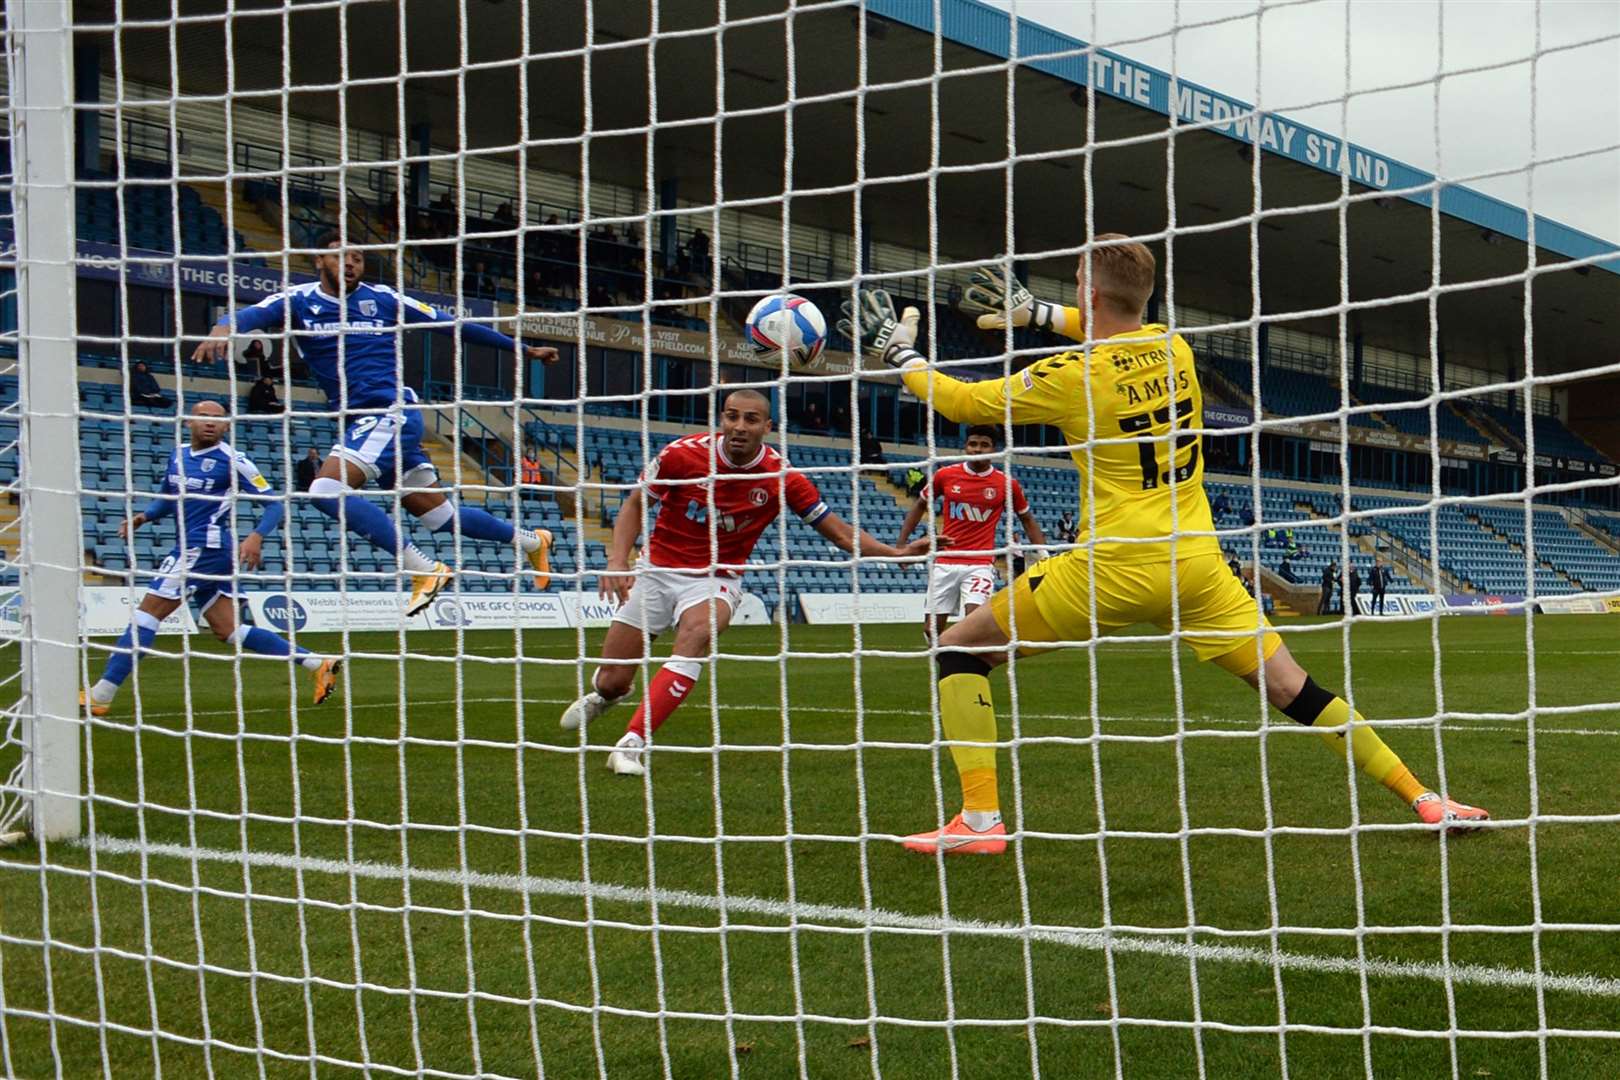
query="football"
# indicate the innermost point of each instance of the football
(784, 321)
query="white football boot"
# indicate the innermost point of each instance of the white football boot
(585, 710)
(625, 759)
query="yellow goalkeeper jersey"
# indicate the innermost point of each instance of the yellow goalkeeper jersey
(1144, 493)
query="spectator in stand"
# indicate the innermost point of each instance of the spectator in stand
(504, 214)
(697, 252)
(1286, 571)
(871, 450)
(144, 388)
(1247, 518)
(1068, 527)
(476, 281)
(813, 420)
(1221, 506)
(254, 359)
(532, 476)
(1355, 591)
(1233, 565)
(840, 417)
(304, 472)
(262, 398)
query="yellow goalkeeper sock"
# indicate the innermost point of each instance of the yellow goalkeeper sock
(967, 715)
(1315, 707)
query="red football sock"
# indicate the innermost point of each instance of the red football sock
(664, 695)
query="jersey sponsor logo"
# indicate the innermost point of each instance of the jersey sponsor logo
(368, 307)
(699, 513)
(980, 514)
(341, 325)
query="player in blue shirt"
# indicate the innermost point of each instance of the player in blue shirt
(201, 486)
(352, 348)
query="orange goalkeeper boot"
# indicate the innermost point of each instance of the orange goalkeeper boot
(1458, 817)
(957, 839)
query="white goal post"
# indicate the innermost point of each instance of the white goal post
(44, 793)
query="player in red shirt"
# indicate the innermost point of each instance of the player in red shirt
(974, 494)
(717, 493)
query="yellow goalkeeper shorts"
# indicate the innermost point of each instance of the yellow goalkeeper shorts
(1051, 603)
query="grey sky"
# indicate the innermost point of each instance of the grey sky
(1300, 53)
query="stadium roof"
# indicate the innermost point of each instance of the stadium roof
(1128, 166)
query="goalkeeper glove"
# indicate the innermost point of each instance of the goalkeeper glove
(872, 323)
(995, 294)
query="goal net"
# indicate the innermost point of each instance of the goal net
(449, 628)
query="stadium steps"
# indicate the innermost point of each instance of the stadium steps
(1288, 597)
(890, 488)
(1409, 562)
(241, 215)
(1224, 388)
(10, 528)
(1518, 547)
(1490, 429)
(1578, 522)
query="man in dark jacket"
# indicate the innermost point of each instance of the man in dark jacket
(1380, 582)
(1325, 605)
(304, 472)
(1355, 591)
(262, 398)
(144, 388)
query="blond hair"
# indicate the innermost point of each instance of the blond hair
(1122, 274)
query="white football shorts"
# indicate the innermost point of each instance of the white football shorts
(660, 597)
(955, 587)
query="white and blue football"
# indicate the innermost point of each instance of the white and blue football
(785, 322)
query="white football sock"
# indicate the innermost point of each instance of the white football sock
(980, 820)
(103, 692)
(414, 562)
(528, 539)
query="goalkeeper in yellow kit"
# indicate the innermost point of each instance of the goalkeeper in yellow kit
(1146, 551)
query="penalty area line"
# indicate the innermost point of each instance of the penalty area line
(879, 919)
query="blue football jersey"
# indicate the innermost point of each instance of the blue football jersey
(364, 370)
(208, 479)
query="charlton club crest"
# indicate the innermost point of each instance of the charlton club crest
(989, 494)
(758, 496)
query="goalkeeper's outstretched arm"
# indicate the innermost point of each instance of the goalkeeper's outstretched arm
(995, 295)
(1046, 392)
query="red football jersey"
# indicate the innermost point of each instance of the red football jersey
(746, 499)
(973, 505)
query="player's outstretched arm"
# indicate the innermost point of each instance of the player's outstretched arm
(995, 294)
(415, 311)
(913, 516)
(1049, 391)
(266, 314)
(618, 580)
(842, 535)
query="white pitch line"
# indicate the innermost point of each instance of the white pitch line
(879, 919)
(1192, 721)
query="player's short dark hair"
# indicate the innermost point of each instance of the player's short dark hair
(328, 237)
(746, 391)
(989, 431)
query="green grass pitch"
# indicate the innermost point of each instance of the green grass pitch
(361, 892)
